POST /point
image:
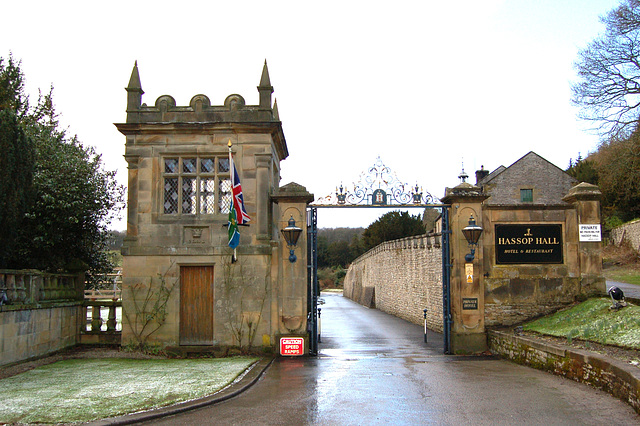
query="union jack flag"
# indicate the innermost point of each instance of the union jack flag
(237, 212)
(238, 201)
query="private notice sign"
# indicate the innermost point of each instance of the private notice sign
(291, 346)
(590, 233)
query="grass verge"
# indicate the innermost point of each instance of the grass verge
(623, 275)
(82, 390)
(621, 264)
(594, 321)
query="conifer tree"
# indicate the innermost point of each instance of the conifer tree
(68, 200)
(16, 180)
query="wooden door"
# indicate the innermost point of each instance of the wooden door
(196, 305)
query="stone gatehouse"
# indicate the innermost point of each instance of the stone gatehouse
(180, 286)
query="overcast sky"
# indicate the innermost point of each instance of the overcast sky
(425, 84)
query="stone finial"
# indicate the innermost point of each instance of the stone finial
(463, 176)
(583, 191)
(276, 114)
(292, 191)
(463, 190)
(134, 90)
(265, 88)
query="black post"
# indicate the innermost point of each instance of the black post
(425, 324)
(319, 326)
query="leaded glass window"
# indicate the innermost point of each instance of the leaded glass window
(190, 185)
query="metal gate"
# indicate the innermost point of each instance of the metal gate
(313, 290)
(378, 188)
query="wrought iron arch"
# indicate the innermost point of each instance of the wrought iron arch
(379, 186)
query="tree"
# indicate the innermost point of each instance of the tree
(608, 88)
(618, 166)
(338, 246)
(392, 226)
(17, 164)
(339, 254)
(323, 252)
(12, 96)
(584, 170)
(356, 249)
(74, 198)
(615, 168)
(116, 239)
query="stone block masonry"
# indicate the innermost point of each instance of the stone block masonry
(44, 314)
(31, 333)
(404, 276)
(629, 232)
(615, 377)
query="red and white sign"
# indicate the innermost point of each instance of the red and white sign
(291, 346)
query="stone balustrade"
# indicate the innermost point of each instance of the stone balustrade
(102, 319)
(31, 287)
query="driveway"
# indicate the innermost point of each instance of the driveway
(629, 290)
(375, 369)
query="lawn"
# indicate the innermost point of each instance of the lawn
(82, 390)
(594, 321)
(621, 264)
(623, 274)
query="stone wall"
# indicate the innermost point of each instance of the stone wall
(628, 232)
(43, 314)
(31, 333)
(615, 377)
(402, 278)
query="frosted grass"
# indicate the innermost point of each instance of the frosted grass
(81, 390)
(593, 320)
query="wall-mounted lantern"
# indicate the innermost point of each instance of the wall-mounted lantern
(291, 234)
(472, 233)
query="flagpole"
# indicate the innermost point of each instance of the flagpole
(234, 256)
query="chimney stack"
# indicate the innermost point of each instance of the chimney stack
(481, 174)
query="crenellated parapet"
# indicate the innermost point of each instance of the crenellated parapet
(200, 110)
(233, 110)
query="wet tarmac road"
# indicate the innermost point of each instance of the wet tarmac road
(630, 290)
(376, 369)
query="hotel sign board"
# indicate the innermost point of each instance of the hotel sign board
(528, 244)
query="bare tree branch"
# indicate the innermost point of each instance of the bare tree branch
(608, 86)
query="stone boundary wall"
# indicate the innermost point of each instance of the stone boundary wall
(43, 315)
(31, 333)
(615, 377)
(628, 232)
(402, 278)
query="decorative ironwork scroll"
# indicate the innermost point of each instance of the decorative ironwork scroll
(378, 186)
